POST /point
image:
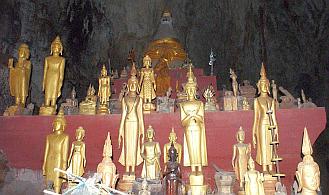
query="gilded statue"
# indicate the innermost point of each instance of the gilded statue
(235, 85)
(172, 173)
(147, 84)
(77, 159)
(161, 70)
(53, 77)
(308, 171)
(104, 87)
(261, 135)
(88, 106)
(274, 91)
(144, 190)
(131, 132)
(151, 153)
(19, 76)
(166, 147)
(253, 180)
(241, 154)
(107, 168)
(56, 151)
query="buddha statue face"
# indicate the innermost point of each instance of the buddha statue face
(251, 164)
(104, 71)
(80, 134)
(240, 136)
(58, 125)
(132, 85)
(309, 176)
(190, 91)
(56, 47)
(23, 51)
(263, 86)
(150, 133)
(147, 61)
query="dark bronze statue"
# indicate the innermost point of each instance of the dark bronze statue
(172, 174)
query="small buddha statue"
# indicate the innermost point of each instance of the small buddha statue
(124, 73)
(308, 171)
(88, 106)
(147, 84)
(241, 154)
(172, 173)
(274, 91)
(107, 168)
(151, 153)
(56, 150)
(104, 91)
(261, 135)
(161, 70)
(172, 140)
(53, 77)
(245, 104)
(19, 76)
(253, 180)
(144, 190)
(235, 85)
(131, 127)
(77, 159)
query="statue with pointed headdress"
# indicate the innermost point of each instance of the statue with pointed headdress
(53, 77)
(308, 171)
(147, 84)
(104, 91)
(261, 135)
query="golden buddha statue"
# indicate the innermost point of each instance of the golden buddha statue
(241, 154)
(147, 84)
(151, 153)
(107, 168)
(172, 140)
(235, 85)
(104, 91)
(161, 69)
(308, 171)
(131, 131)
(53, 77)
(19, 76)
(261, 135)
(253, 180)
(57, 146)
(77, 158)
(88, 106)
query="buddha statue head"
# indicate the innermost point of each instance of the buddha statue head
(24, 51)
(251, 164)
(147, 61)
(172, 153)
(56, 47)
(107, 149)
(172, 136)
(59, 123)
(79, 134)
(150, 133)
(308, 172)
(103, 71)
(263, 84)
(191, 85)
(133, 81)
(240, 135)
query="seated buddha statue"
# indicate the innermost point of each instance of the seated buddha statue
(88, 106)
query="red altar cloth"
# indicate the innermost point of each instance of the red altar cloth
(22, 138)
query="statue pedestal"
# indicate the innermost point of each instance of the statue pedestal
(154, 186)
(148, 107)
(269, 184)
(103, 109)
(210, 107)
(196, 186)
(224, 182)
(126, 183)
(47, 110)
(87, 109)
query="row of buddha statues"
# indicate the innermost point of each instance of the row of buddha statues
(136, 151)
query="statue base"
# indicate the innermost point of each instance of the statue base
(103, 110)
(148, 107)
(14, 110)
(87, 109)
(196, 186)
(126, 184)
(47, 110)
(210, 107)
(269, 184)
(154, 186)
(225, 182)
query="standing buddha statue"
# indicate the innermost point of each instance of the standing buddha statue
(235, 85)
(107, 168)
(241, 154)
(172, 140)
(308, 171)
(19, 79)
(53, 77)
(172, 173)
(77, 158)
(57, 146)
(261, 135)
(195, 148)
(253, 180)
(131, 131)
(147, 85)
(104, 91)
(151, 153)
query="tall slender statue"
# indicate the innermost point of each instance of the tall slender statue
(241, 154)
(172, 140)
(308, 171)
(104, 91)
(172, 173)
(235, 85)
(253, 180)
(274, 91)
(151, 153)
(195, 148)
(53, 77)
(131, 131)
(147, 84)
(261, 135)
(57, 146)
(77, 158)
(19, 76)
(107, 168)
